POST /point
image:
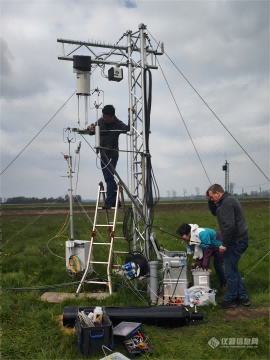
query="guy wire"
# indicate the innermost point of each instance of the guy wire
(26, 146)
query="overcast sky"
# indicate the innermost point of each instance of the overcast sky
(222, 48)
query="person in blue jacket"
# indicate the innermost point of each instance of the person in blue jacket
(205, 243)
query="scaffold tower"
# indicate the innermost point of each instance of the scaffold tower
(139, 57)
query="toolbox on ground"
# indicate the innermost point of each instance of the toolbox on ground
(132, 337)
(137, 344)
(125, 329)
(93, 336)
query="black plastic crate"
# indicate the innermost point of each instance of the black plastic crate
(91, 339)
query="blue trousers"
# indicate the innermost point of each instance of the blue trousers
(235, 286)
(111, 186)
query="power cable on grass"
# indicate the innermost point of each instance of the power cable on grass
(255, 262)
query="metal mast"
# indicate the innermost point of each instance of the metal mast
(139, 59)
(227, 182)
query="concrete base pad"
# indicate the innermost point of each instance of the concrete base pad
(56, 297)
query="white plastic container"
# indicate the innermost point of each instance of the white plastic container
(98, 313)
(91, 315)
(201, 277)
(115, 356)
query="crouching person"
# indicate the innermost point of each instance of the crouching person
(205, 243)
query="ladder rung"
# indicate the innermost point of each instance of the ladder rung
(96, 282)
(95, 243)
(100, 205)
(101, 208)
(119, 237)
(111, 208)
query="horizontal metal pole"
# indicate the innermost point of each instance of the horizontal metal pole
(96, 61)
(96, 44)
(116, 63)
(110, 46)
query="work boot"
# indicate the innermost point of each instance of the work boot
(228, 304)
(245, 302)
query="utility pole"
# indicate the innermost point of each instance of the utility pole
(138, 56)
(227, 182)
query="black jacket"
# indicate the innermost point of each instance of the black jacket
(212, 207)
(109, 134)
(231, 219)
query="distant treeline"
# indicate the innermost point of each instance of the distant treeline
(265, 194)
(35, 200)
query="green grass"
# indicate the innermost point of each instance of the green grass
(32, 256)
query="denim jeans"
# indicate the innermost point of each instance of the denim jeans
(219, 270)
(235, 285)
(109, 179)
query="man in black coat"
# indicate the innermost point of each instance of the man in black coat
(234, 233)
(110, 129)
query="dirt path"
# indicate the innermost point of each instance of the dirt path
(248, 313)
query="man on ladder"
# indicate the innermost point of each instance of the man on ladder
(109, 128)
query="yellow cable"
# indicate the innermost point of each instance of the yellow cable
(74, 264)
(63, 225)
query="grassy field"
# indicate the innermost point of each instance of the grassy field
(33, 262)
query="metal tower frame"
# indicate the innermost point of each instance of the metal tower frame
(227, 181)
(139, 59)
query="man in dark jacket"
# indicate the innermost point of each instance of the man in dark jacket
(234, 233)
(110, 128)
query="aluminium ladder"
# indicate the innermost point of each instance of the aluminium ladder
(95, 245)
